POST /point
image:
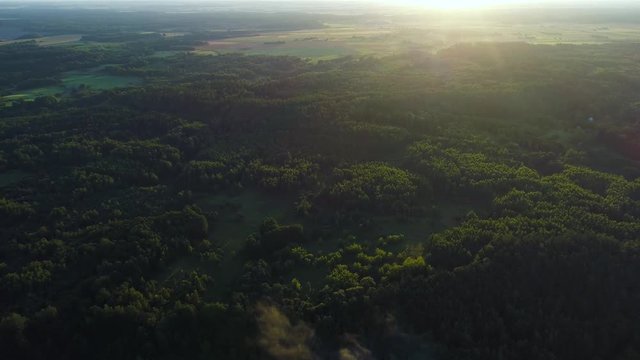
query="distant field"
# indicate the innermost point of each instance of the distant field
(164, 54)
(97, 80)
(94, 79)
(328, 43)
(339, 40)
(49, 40)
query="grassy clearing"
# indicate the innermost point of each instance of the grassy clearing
(58, 39)
(93, 45)
(165, 54)
(312, 50)
(30, 95)
(49, 40)
(95, 79)
(205, 52)
(238, 216)
(241, 215)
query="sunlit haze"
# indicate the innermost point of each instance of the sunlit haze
(483, 4)
(462, 4)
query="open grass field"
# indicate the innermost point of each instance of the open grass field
(165, 54)
(49, 40)
(238, 216)
(95, 79)
(328, 43)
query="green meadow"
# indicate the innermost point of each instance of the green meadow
(92, 79)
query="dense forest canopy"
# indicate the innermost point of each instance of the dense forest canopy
(470, 200)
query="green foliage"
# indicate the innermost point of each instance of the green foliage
(211, 175)
(341, 277)
(11, 211)
(293, 175)
(372, 186)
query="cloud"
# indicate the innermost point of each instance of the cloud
(353, 350)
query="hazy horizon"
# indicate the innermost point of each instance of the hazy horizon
(422, 3)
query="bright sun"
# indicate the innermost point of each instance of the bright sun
(462, 4)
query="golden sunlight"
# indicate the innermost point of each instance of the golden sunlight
(463, 4)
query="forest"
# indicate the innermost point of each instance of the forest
(477, 201)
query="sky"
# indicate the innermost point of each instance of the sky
(454, 4)
(464, 3)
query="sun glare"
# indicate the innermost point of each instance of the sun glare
(462, 4)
